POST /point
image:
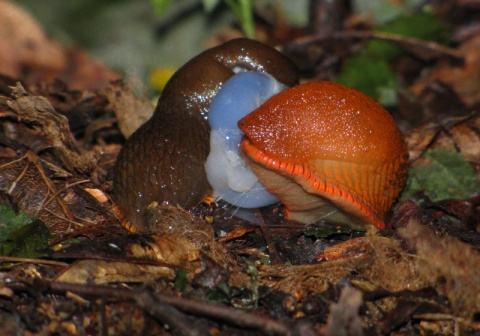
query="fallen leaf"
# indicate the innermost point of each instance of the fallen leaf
(442, 174)
(21, 236)
(127, 258)
(464, 79)
(454, 262)
(103, 272)
(26, 53)
(131, 104)
(53, 126)
(344, 318)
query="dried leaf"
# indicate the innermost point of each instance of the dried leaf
(53, 126)
(24, 46)
(26, 182)
(344, 318)
(128, 258)
(347, 249)
(131, 103)
(467, 139)
(454, 262)
(27, 53)
(141, 248)
(306, 279)
(451, 134)
(102, 272)
(39, 191)
(420, 138)
(464, 79)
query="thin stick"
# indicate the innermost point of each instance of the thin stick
(218, 312)
(409, 43)
(33, 261)
(275, 258)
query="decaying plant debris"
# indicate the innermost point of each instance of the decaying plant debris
(189, 276)
(387, 272)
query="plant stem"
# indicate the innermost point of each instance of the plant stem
(244, 12)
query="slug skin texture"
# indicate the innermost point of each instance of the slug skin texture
(164, 160)
(327, 151)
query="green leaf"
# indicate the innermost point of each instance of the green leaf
(243, 10)
(10, 221)
(372, 77)
(221, 293)
(422, 25)
(20, 235)
(160, 6)
(369, 71)
(442, 174)
(383, 11)
(180, 281)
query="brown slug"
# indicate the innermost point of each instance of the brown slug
(164, 160)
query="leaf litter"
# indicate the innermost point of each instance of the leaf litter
(422, 277)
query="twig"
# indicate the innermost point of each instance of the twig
(275, 258)
(414, 45)
(33, 261)
(175, 319)
(155, 306)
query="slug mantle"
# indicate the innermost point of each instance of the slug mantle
(327, 151)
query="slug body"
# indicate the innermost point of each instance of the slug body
(227, 172)
(327, 151)
(164, 160)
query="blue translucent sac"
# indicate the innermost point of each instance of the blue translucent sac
(227, 173)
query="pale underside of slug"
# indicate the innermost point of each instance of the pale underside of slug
(227, 173)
